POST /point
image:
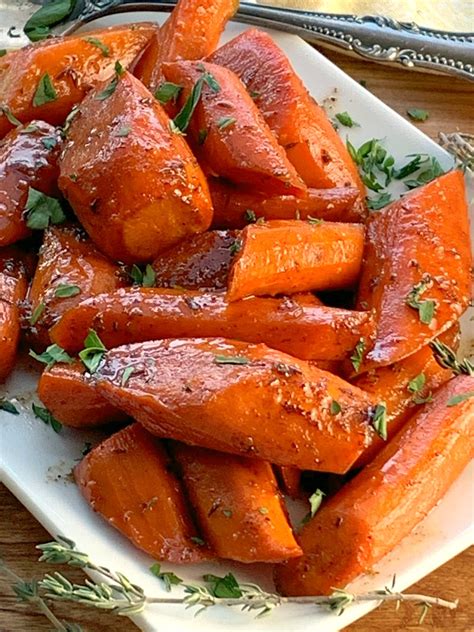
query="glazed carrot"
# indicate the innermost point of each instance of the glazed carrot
(68, 67)
(290, 480)
(235, 207)
(134, 184)
(73, 399)
(403, 386)
(191, 32)
(299, 123)
(199, 262)
(69, 270)
(380, 506)
(240, 398)
(237, 504)
(416, 269)
(293, 256)
(231, 137)
(301, 328)
(28, 158)
(128, 480)
(13, 286)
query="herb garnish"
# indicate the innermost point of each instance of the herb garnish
(167, 91)
(3, 52)
(250, 216)
(66, 291)
(197, 540)
(49, 142)
(446, 358)
(417, 383)
(379, 420)
(42, 210)
(99, 44)
(314, 221)
(315, 501)
(94, 350)
(38, 25)
(127, 373)
(417, 114)
(146, 278)
(335, 407)
(226, 121)
(345, 119)
(54, 353)
(457, 399)
(222, 359)
(433, 170)
(358, 354)
(183, 118)
(123, 131)
(110, 89)
(45, 415)
(426, 308)
(8, 407)
(376, 203)
(202, 135)
(169, 579)
(45, 92)
(235, 247)
(37, 313)
(8, 114)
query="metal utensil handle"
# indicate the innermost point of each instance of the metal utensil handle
(376, 38)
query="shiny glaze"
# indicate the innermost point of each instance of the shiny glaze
(73, 400)
(73, 65)
(13, 286)
(201, 262)
(25, 162)
(139, 194)
(293, 325)
(274, 407)
(299, 123)
(128, 480)
(245, 152)
(290, 480)
(379, 507)
(232, 203)
(67, 257)
(284, 256)
(425, 233)
(237, 504)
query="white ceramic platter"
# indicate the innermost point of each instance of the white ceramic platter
(36, 462)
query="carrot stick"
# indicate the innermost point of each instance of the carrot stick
(73, 399)
(71, 65)
(133, 183)
(240, 398)
(28, 158)
(69, 270)
(235, 207)
(13, 286)
(292, 256)
(290, 480)
(128, 480)
(381, 505)
(229, 133)
(299, 123)
(237, 505)
(303, 329)
(416, 271)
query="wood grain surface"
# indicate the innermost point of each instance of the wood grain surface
(450, 105)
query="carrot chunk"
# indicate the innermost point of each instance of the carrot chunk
(381, 505)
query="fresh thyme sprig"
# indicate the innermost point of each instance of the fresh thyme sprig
(446, 357)
(121, 597)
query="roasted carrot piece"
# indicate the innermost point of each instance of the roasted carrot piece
(238, 144)
(191, 32)
(382, 504)
(240, 398)
(128, 480)
(69, 270)
(73, 399)
(69, 67)
(235, 207)
(135, 186)
(301, 328)
(199, 262)
(299, 123)
(290, 480)
(284, 256)
(402, 386)
(28, 158)
(237, 504)
(416, 269)
(13, 286)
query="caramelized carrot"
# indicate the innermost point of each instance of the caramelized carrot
(201, 262)
(238, 144)
(240, 398)
(237, 504)
(73, 399)
(28, 158)
(235, 207)
(70, 66)
(13, 286)
(299, 123)
(416, 269)
(382, 504)
(191, 32)
(128, 480)
(68, 264)
(292, 256)
(290, 480)
(134, 185)
(301, 328)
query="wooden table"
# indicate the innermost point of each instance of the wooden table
(450, 105)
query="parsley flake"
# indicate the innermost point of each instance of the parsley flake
(168, 91)
(8, 407)
(358, 354)
(379, 420)
(66, 291)
(105, 50)
(427, 307)
(183, 118)
(37, 313)
(42, 210)
(315, 501)
(93, 352)
(8, 114)
(45, 91)
(335, 407)
(45, 415)
(457, 399)
(54, 353)
(226, 587)
(127, 373)
(226, 121)
(169, 579)
(38, 25)
(417, 114)
(345, 119)
(222, 359)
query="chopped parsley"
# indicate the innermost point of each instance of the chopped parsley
(37, 313)
(8, 114)
(93, 352)
(105, 50)
(226, 121)
(345, 119)
(45, 415)
(8, 407)
(42, 210)
(222, 359)
(54, 353)
(183, 118)
(168, 91)
(45, 91)
(169, 579)
(379, 420)
(315, 501)
(66, 291)
(358, 354)
(427, 307)
(457, 399)
(417, 114)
